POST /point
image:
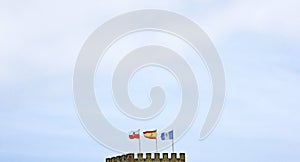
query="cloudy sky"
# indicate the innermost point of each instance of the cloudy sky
(258, 42)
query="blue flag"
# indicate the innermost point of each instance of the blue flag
(167, 135)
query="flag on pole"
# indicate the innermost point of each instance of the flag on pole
(134, 134)
(150, 134)
(167, 135)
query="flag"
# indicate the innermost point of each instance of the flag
(134, 134)
(167, 135)
(150, 134)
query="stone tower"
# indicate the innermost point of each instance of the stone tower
(149, 157)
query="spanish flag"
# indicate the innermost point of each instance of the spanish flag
(150, 134)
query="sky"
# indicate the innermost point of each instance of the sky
(258, 43)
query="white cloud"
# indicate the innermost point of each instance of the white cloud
(277, 18)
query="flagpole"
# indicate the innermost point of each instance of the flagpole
(173, 141)
(139, 145)
(139, 142)
(156, 141)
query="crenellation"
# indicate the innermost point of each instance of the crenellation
(156, 157)
(165, 157)
(148, 158)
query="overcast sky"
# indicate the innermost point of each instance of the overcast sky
(258, 42)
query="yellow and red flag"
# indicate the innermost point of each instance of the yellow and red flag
(150, 134)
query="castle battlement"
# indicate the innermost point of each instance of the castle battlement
(149, 157)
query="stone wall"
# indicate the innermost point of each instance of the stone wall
(149, 157)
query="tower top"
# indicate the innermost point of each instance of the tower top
(149, 157)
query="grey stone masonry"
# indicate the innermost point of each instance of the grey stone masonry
(149, 157)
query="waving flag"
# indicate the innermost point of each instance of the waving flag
(150, 134)
(134, 134)
(167, 135)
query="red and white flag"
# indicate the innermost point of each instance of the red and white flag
(134, 134)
